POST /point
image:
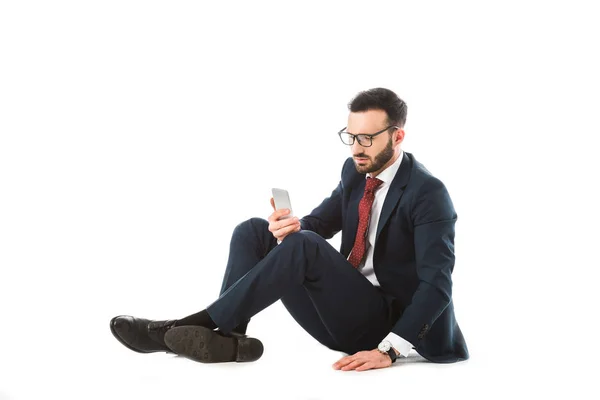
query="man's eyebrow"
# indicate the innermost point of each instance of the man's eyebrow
(347, 131)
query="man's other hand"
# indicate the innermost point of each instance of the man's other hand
(280, 229)
(364, 360)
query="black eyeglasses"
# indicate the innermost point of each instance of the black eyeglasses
(364, 139)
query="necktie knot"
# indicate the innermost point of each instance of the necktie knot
(372, 184)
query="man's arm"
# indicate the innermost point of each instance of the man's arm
(326, 219)
(434, 218)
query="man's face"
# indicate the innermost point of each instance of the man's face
(374, 158)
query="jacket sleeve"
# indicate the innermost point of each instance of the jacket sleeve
(326, 219)
(433, 217)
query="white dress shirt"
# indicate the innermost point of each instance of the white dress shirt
(366, 266)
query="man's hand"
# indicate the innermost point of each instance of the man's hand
(364, 360)
(280, 229)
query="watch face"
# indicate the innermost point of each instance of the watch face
(384, 346)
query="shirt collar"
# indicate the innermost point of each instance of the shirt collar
(388, 174)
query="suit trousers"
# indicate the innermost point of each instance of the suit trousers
(319, 287)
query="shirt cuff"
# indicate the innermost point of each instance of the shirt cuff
(403, 346)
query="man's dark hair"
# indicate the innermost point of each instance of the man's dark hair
(381, 99)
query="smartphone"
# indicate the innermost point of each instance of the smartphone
(281, 197)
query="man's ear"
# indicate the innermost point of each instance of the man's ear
(399, 136)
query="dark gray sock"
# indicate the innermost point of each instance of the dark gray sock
(200, 319)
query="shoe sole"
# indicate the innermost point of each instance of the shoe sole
(206, 346)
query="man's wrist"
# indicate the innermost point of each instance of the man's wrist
(401, 346)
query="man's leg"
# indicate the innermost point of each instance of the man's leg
(298, 303)
(250, 242)
(353, 312)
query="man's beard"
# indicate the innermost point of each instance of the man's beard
(381, 159)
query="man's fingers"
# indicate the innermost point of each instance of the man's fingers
(343, 361)
(282, 233)
(285, 225)
(281, 212)
(366, 366)
(292, 227)
(297, 229)
(362, 361)
(353, 365)
(274, 222)
(347, 359)
(273, 204)
(277, 214)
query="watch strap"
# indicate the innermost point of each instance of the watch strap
(392, 353)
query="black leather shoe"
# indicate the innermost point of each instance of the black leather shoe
(207, 346)
(139, 334)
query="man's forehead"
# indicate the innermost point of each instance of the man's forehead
(367, 119)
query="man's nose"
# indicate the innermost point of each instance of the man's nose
(356, 147)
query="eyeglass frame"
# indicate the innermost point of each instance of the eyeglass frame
(370, 136)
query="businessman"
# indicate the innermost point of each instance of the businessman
(389, 288)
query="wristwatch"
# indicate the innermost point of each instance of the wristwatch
(385, 347)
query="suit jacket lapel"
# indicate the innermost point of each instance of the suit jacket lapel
(394, 193)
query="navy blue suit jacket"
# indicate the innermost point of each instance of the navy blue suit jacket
(414, 252)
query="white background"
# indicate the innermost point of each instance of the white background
(135, 135)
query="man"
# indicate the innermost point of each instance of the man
(388, 289)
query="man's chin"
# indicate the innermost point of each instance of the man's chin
(362, 169)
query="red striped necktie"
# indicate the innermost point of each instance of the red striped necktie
(364, 214)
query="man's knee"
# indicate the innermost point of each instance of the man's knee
(303, 236)
(252, 225)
